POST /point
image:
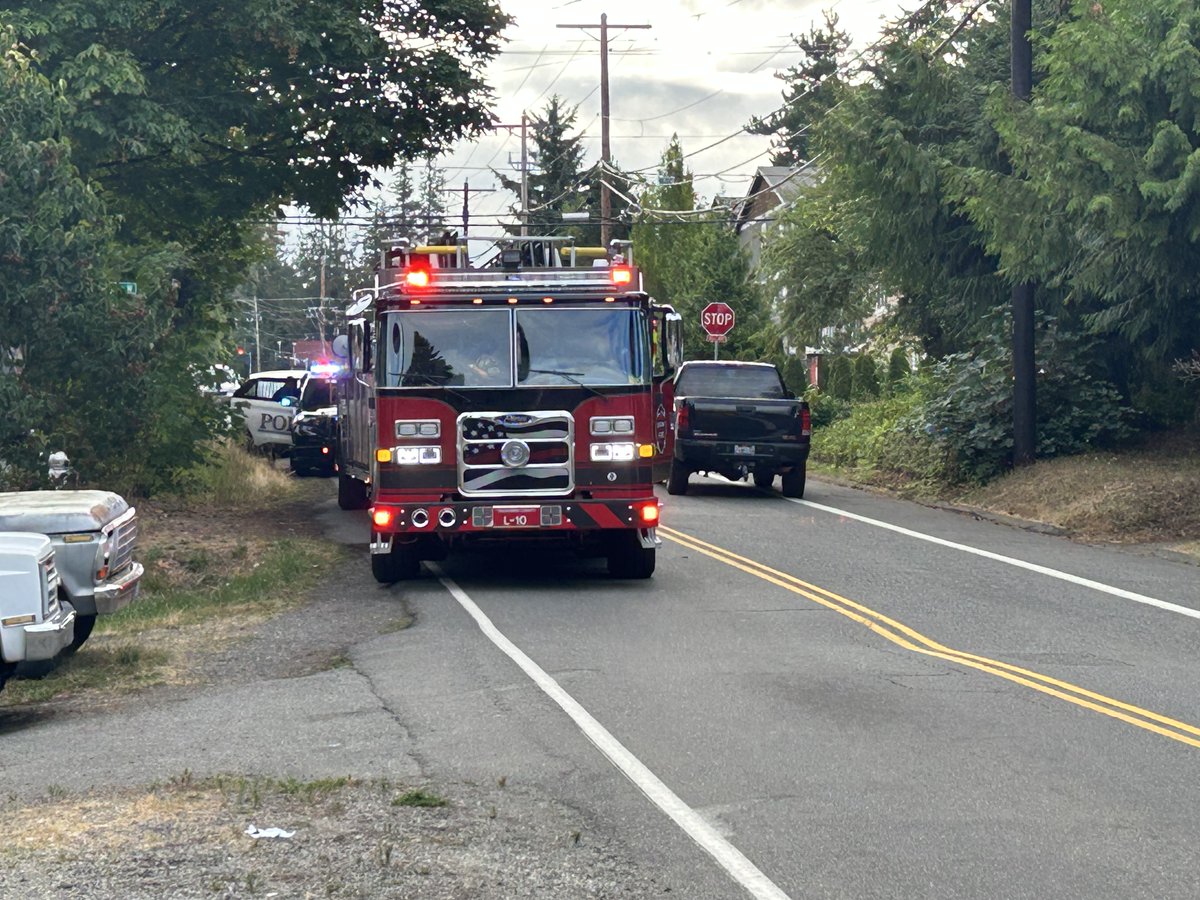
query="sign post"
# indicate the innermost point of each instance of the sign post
(717, 320)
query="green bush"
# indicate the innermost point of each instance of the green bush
(866, 378)
(839, 377)
(898, 368)
(861, 439)
(825, 408)
(795, 373)
(966, 421)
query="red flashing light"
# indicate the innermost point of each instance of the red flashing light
(382, 518)
(621, 275)
(416, 277)
(650, 513)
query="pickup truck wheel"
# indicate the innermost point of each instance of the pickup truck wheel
(677, 482)
(793, 482)
(627, 558)
(399, 565)
(764, 478)
(83, 630)
(352, 493)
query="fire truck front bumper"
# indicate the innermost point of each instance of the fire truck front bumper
(509, 518)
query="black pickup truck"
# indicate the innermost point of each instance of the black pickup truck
(738, 419)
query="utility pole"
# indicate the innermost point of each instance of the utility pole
(1024, 366)
(524, 126)
(257, 357)
(524, 175)
(467, 191)
(605, 198)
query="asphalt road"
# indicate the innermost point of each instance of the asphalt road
(827, 698)
(829, 707)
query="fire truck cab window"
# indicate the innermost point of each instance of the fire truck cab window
(446, 347)
(581, 346)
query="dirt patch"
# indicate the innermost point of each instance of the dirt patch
(192, 544)
(1150, 494)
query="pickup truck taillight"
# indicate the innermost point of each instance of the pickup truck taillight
(805, 421)
(682, 419)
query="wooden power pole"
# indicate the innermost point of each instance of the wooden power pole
(605, 197)
(1024, 366)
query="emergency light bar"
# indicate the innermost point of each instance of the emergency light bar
(478, 280)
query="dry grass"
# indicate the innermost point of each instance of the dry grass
(110, 824)
(1147, 494)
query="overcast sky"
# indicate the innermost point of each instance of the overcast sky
(701, 70)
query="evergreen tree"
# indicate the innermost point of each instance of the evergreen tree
(556, 184)
(812, 87)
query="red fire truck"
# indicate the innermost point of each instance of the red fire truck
(520, 401)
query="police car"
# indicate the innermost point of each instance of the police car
(268, 402)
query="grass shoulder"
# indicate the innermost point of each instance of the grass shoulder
(1147, 491)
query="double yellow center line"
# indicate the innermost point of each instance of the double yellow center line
(909, 639)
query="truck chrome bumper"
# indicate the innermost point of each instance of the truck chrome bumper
(118, 594)
(48, 639)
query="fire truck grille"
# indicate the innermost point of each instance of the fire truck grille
(516, 453)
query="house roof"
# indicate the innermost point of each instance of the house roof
(773, 186)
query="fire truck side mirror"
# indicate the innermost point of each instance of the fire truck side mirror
(341, 347)
(673, 326)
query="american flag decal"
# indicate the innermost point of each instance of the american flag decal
(551, 467)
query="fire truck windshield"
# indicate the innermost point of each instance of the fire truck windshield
(581, 346)
(474, 348)
(447, 347)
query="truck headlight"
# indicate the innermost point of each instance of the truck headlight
(416, 456)
(613, 452)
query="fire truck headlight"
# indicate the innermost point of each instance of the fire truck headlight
(406, 456)
(416, 456)
(611, 424)
(616, 452)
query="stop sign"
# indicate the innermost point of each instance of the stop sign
(717, 319)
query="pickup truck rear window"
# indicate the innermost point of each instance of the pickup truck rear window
(749, 382)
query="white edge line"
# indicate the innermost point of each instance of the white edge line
(726, 855)
(1019, 563)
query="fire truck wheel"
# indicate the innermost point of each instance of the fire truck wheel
(352, 493)
(677, 482)
(627, 558)
(399, 565)
(793, 482)
(764, 478)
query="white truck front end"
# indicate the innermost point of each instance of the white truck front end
(35, 624)
(93, 534)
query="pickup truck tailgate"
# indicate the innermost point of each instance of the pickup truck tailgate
(743, 420)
